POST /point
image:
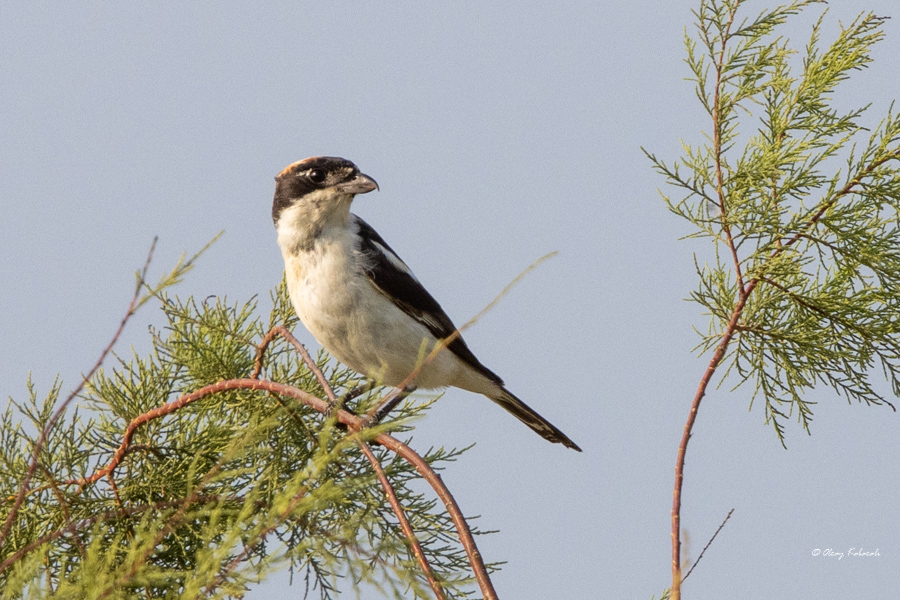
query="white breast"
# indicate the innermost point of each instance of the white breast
(355, 322)
(344, 311)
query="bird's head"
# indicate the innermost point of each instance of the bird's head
(318, 188)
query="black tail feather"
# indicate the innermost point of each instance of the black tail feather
(536, 422)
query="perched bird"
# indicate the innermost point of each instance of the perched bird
(361, 302)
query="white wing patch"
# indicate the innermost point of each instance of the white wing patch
(394, 260)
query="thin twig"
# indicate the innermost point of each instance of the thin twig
(70, 526)
(378, 412)
(708, 544)
(717, 151)
(320, 376)
(23, 489)
(458, 332)
(261, 350)
(847, 189)
(287, 335)
(115, 489)
(363, 388)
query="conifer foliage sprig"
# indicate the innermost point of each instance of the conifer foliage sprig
(218, 494)
(801, 200)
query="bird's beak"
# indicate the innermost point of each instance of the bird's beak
(361, 184)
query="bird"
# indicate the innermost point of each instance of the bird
(362, 303)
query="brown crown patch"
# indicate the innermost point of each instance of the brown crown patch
(300, 165)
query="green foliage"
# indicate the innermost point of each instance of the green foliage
(802, 204)
(220, 493)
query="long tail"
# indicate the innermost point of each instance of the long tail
(536, 422)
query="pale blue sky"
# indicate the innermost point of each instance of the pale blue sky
(498, 132)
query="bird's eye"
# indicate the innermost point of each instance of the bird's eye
(316, 175)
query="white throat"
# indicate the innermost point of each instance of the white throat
(301, 224)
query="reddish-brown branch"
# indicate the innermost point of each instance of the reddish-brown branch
(717, 357)
(320, 376)
(353, 422)
(462, 529)
(726, 339)
(732, 327)
(261, 350)
(404, 522)
(39, 445)
(385, 483)
(156, 413)
(744, 291)
(424, 469)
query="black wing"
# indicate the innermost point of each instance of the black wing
(390, 275)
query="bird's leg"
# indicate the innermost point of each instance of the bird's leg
(384, 407)
(341, 403)
(363, 388)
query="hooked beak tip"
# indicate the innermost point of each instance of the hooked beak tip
(361, 184)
